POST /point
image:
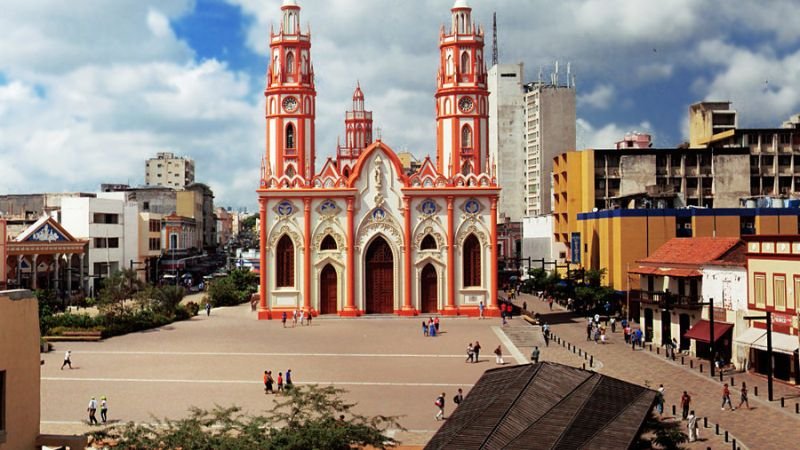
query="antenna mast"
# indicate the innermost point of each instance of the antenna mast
(495, 57)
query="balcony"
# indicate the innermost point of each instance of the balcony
(668, 300)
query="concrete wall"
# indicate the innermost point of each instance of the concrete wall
(19, 359)
(506, 143)
(730, 179)
(637, 172)
(537, 239)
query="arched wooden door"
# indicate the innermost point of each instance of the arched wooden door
(328, 290)
(379, 278)
(429, 300)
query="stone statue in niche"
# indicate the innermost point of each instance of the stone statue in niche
(378, 175)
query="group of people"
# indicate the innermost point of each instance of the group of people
(634, 337)
(430, 327)
(297, 315)
(473, 352)
(595, 331)
(440, 402)
(92, 410)
(282, 383)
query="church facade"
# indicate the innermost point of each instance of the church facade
(361, 236)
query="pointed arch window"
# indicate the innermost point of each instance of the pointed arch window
(290, 63)
(284, 262)
(466, 139)
(290, 172)
(472, 261)
(465, 62)
(428, 243)
(466, 168)
(290, 140)
(328, 243)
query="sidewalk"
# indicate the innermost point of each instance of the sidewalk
(763, 427)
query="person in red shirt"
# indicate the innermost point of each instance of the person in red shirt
(726, 397)
(280, 381)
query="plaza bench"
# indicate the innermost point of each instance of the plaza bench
(75, 336)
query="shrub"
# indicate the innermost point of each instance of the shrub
(193, 308)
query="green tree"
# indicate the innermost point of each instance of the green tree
(249, 222)
(307, 417)
(222, 292)
(167, 298)
(117, 288)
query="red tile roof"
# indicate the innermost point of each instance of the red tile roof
(666, 272)
(692, 251)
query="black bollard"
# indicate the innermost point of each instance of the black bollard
(681, 360)
(797, 408)
(705, 422)
(651, 347)
(591, 361)
(755, 391)
(716, 429)
(701, 368)
(584, 366)
(658, 350)
(732, 383)
(691, 364)
(585, 356)
(720, 376)
(674, 411)
(726, 435)
(733, 446)
(782, 402)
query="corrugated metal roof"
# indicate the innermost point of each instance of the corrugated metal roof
(551, 405)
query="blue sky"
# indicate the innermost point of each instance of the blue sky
(90, 88)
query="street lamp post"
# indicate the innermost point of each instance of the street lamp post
(770, 364)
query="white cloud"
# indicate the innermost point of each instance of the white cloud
(600, 98)
(605, 136)
(158, 24)
(764, 87)
(654, 71)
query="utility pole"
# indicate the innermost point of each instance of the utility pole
(770, 363)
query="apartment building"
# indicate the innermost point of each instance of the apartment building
(169, 170)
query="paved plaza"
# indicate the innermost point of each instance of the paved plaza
(385, 363)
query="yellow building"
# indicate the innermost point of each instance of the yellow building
(773, 284)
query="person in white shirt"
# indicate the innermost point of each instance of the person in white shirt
(103, 409)
(92, 411)
(67, 360)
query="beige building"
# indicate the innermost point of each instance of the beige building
(549, 131)
(20, 378)
(169, 170)
(774, 152)
(150, 245)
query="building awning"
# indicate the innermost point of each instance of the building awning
(666, 272)
(757, 338)
(700, 331)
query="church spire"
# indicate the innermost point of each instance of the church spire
(358, 133)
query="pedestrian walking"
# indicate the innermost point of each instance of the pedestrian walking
(633, 343)
(613, 324)
(424, 328)
(289, 384)
(308, 319)
(546, 335)
(280, 381)
(660, 400)
(726, 397)
(458, 398)
(295, 313)
(626, 333)
(551, 303)
(535, 355)
(743, 398)
(269, 382)
(92, 409)
(302, 317)
(481, 306)
(104, 409)
(589, 330)
(498, 355)
(686, 400)
(525, 306)
(283, 319)
(267, 387)
(208, 309)
(470, 353)
(477, 349)
(436, 323)
(67, 360)
(431, 329)
(439, 404)
(692, 427)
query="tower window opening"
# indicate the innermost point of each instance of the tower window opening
(466, 138)
(428, 243)
(290, 136)
(290, 63)
(465, 62)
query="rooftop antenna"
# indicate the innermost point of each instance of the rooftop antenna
(569, 64)
(495, 57)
